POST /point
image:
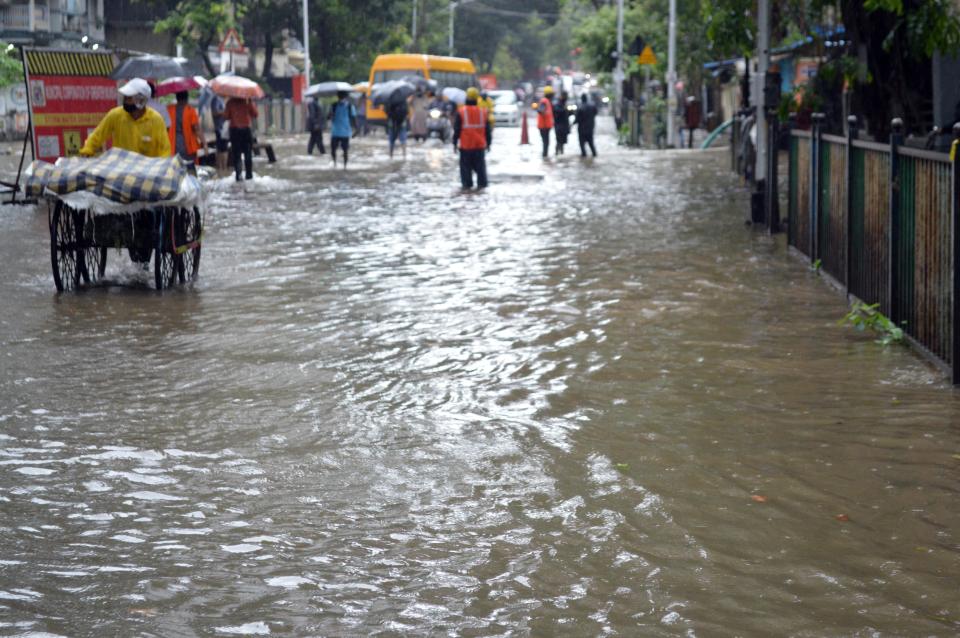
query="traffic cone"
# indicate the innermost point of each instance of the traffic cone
(524, 135)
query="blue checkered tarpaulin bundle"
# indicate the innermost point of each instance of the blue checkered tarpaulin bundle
(118, 175)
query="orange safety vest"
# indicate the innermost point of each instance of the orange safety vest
(545, 119)
(473, 128)
(190, 119)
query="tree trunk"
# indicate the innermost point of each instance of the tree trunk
(202, 47)
(267, 71)
(899, 85)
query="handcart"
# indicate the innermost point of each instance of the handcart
(150, 206)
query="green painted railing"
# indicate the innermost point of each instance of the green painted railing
(880, 220)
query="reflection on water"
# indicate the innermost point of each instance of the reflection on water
(586, 401)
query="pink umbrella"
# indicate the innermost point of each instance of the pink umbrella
(236, 86)
(177, 84)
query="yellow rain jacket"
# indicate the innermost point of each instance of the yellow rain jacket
(146, 135)
(487, 103)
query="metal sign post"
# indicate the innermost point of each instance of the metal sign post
(231, 44)
(672, 74)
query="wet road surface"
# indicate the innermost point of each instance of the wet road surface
(588, 401)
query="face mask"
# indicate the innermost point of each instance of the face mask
(130, 108)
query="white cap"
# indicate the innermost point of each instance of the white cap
(135, 87)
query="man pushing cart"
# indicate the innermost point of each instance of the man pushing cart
(134, 196)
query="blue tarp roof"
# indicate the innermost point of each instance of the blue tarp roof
(817, 33)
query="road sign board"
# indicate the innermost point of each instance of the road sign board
(231, 42)
(647, 57)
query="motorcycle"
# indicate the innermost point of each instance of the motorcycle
(438, 125)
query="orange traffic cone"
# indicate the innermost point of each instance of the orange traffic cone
(524, 136)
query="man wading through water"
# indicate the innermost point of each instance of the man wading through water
(344, 117)
(471, 128)
(315, 122)
(186, 134)
(133, 126)
(545, 118)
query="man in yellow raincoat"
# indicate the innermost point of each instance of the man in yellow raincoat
(133, 126)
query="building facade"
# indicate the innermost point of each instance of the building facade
(52, 23)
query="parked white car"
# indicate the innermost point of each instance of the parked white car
(506, 109)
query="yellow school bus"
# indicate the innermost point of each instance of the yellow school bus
(446, 71)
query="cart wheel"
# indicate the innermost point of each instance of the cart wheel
(63, 248)
(191, 228)
(93, 263)
(164, 262)
(93, 259)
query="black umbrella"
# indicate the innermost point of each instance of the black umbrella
(149, 66)
(327, 89)
(420, 82)
(391, 92)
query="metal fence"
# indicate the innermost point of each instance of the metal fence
(882, 220)
(279, 115)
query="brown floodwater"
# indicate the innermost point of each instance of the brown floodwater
(587, 401)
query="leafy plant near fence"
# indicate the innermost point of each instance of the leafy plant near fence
(11, 69)
(867, 316)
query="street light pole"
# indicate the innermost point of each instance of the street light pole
(618, 70)
(306, 43)
(672, 74)
(759, 80)
(453, 5)
(413, 26)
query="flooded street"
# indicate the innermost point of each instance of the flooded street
(587, 401)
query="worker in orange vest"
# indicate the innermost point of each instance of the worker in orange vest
(185, 132)
(545, 118)
(471, 129)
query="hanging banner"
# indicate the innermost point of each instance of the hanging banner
(68, 93)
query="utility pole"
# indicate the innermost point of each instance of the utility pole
(413, 26)
(757, 92)
(672, 75)
(453, 5)
(618, 71)
(306, 43)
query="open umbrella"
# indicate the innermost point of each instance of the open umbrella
(236, 86)
(361, 87)
(327, 89)
(420, 82)
(148, 66)
(177, 84)
(455, 95)
(391, 92)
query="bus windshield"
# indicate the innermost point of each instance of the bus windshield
(395, 74)
(453, 78)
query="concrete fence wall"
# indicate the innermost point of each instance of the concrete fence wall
(278, 116)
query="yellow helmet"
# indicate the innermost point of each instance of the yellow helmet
(473, 93)
(548, 90)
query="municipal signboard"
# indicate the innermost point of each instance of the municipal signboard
(232, 42)
(647, 57)
(68, 93)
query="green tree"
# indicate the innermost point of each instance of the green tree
(11, 67)
(263, 23)
(505, 64)
(480, 28)
(346, 35)
(200, 23)
(886, 63)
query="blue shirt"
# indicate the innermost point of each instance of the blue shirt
(343, 111)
